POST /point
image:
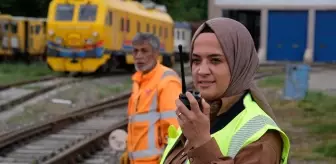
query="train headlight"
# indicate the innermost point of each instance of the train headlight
(89, 41)
(58, 40)
(51, 32)
(95, 34)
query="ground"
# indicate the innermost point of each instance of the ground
(56, 102)
(324, 81)
(310, 122)
(61, 100)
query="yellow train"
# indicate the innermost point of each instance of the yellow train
(91, 35)
(22, 37)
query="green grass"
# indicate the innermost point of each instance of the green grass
(268, 69)
(315, 114)
(276, 81)
(320, 111)
(10, 73)
(318, 104)
(310, 123)
(327, 148)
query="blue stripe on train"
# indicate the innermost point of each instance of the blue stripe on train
(68, 52)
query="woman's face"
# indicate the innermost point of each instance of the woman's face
(210, 70)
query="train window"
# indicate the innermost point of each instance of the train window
(128, 25)
(37, 29)
(14, 27)
(31, 29)
(5, 26)
(160, 31)
(87, 12)
(166, 32)
(172, 31)
(154, 29)
(178, 34)
(147, 29)
(108, 18)
(122, 24)
(110, 13)
(138, 27)
(182, 35)
(64, 12)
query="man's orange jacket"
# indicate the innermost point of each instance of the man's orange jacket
(151, 109)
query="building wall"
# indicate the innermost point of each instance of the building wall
(183, 37)
(213, 10)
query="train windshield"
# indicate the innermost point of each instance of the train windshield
(64, 12)
(14, 27)
(87, 13)
(4, 26)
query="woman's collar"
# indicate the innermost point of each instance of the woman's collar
(228, 102)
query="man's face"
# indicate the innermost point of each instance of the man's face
(144, 57)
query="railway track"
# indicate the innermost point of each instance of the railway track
(79, 137)
(20, 83)
(64, 132)
(18, 93)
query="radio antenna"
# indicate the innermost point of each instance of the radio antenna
(184, 87)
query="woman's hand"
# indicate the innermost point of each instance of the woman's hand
(194, 123)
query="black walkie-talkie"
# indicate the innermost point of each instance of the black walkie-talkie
(182, 96)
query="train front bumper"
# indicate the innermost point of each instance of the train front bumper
(74, 60)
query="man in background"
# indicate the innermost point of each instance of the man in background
(151, 107)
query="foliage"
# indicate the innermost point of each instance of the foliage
(276, 81)
(28, 8)
(186, 10)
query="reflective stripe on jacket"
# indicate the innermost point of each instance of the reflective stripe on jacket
(247, 127)
(151, 110)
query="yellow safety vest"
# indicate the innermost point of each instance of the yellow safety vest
(247, 127)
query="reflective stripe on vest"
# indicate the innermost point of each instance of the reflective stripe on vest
(152, 116)
(247, 131)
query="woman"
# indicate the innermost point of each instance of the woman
(239, 126)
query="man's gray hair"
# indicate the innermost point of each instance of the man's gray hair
(153, 40)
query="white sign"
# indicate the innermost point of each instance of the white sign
(117, 140)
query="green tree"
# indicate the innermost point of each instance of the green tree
(28, 8)
(185, 10)
(180, 10)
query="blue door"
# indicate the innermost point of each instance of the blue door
(287, 35)
(325, 36)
